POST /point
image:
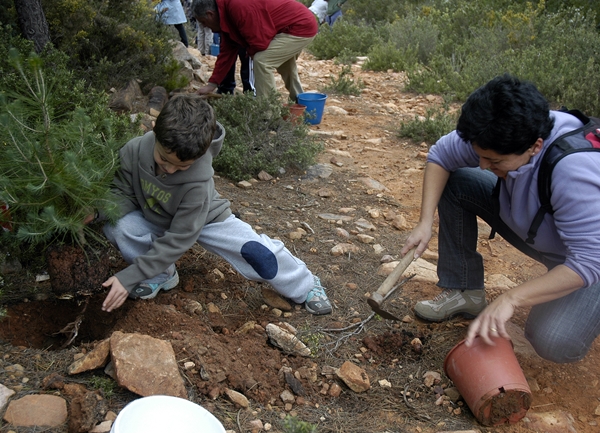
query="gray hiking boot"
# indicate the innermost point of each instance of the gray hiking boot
(452, 302)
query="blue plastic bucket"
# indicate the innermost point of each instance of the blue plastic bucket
(315, 104)
(214, 50)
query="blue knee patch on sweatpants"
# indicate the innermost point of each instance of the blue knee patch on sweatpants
(261, 259)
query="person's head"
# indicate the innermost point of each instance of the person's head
(506, 121)
(206, 13)
(505, 115)
(183, 130)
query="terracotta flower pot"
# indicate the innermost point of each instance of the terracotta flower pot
(296, 113)
(490, 380)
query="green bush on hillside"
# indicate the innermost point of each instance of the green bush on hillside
(454, 46)
(344, 37)
(258, 138)
(110, 42)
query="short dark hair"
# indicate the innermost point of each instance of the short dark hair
(200, 7)
(505, 115)
(186, 126)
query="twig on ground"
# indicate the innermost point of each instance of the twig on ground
(354, 325)
(238, 420)
(305, 225)
(406, 399)
(338, 341)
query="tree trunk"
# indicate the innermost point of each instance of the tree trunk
(32, 22)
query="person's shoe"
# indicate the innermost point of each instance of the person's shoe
(452, 302)
(150, 290)
(316, 300)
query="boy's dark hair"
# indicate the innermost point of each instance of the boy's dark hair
(506, 115)
(186, 126)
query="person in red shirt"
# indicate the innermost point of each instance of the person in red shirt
(273, 32)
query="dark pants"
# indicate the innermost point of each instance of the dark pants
(228, 83)
(182, 34)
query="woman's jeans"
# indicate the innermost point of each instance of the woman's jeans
(561, 330)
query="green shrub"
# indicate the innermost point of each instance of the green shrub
(480, 40)
(292, 424)
(343, 37)
(258, 138)
(68, 92)
(377, 11)
(416, 34)
(105, 384)
(384, 56)
(110, 42)
(57, 162)
(344, 85)
(436, 123)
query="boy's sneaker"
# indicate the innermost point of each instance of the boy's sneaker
(150, 290)
(452, 302)
(316, 300)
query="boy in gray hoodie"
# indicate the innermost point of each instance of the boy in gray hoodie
(168, 202)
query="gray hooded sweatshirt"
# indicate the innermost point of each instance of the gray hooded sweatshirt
(182, 203)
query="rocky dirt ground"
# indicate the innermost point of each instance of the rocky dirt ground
(359, 145)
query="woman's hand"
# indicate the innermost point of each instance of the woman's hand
(491, 322)
(419, 237)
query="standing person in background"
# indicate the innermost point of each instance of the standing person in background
(205, 39)
(171, 13)
(334, 10)
(204, 35)
(319, 8)
(273, 32)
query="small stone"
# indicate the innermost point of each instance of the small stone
(431, 378)
(343, 249)
(264, 176)
(365, 239)
(378, 249)
(287, 397)
(255, 425)
(237, 398)
(335, 390)
(274, 299)
(355, 377)
(244, 184)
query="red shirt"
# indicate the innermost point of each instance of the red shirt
(253, 24)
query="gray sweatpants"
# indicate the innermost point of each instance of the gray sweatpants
(256, 257)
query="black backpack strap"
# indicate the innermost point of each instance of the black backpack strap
(536, 223)
(495, 207)
(554, 153)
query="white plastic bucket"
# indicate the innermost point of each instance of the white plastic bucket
(162, 413)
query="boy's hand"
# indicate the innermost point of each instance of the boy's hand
(117, 295)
